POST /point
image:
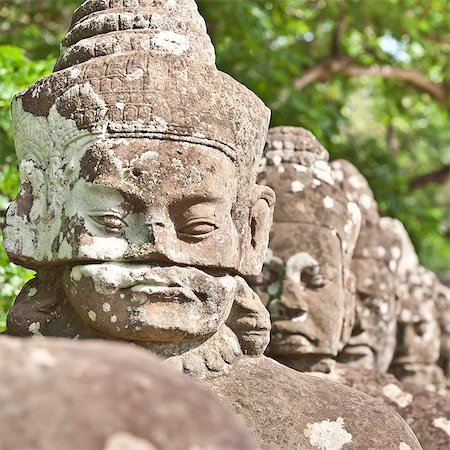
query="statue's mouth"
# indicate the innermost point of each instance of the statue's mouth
(291, 332)
(357, 351)
(156, 293)
(288, 339)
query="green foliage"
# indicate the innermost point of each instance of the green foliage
(12, 277)
(392, 130)
(16, 73)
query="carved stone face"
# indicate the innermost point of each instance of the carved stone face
(149, 200)
(374, 265)
(418, 335)
(308, 309)
(442, 302)
(306, 280)
(372, 343)
(185, 219)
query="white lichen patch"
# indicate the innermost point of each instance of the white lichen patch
(365, 201)
(228, 282)
(396, 395)
(113, 319)
(300, 168)
(297, 263)
(35, 329)
(106, 307)
(104, 248)
(322, 171)
(120, 105)
(396, 252)
(177, 164)
(328, 202)
(42, 357)
(110, 277)
(338, 174)
(32, 292)
(65, 250)
(355, 212)
(136, 75)
(328, 435)
(356, 182)
(219, 238)
(92, 315)
(443, 423)
(297, 186)
(126, 441)
(404, 446)
(171, 42)
(50, 149)
(348, 227)
(75, 73)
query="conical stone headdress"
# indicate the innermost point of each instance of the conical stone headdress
(128, 68)
(297, 169)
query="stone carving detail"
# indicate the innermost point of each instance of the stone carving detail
(140, 211)
(137, 187)
(307, 278)
(442, 303)
(374, 265)
(419, 336)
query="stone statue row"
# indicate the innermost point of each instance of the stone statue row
(146, 212)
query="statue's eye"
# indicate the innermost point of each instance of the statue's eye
(112, 222)
(312, 277)
(420, 328)
(198, 228)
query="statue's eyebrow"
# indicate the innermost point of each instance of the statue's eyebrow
(131, 198)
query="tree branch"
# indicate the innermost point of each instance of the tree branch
(339, 30)
(344, 65)
(439, 176)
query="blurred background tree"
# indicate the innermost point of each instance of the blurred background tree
(369, 78)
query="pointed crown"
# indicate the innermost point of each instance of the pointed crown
(297, 168)
(147, 67)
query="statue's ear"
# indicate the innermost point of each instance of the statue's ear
(261, 216)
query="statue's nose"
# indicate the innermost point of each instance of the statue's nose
(291, 302)
(153, 225)
(358, 327)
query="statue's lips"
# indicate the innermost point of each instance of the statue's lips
(290, 332)
(409, 359)
(358, 350)
(279, 339)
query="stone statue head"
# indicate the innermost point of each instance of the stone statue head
(418, 333)
(306, 281)
(139, 207)
(418, 336)
(374, 266)
(442, 304)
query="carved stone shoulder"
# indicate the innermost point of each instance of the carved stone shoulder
(287, 409)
